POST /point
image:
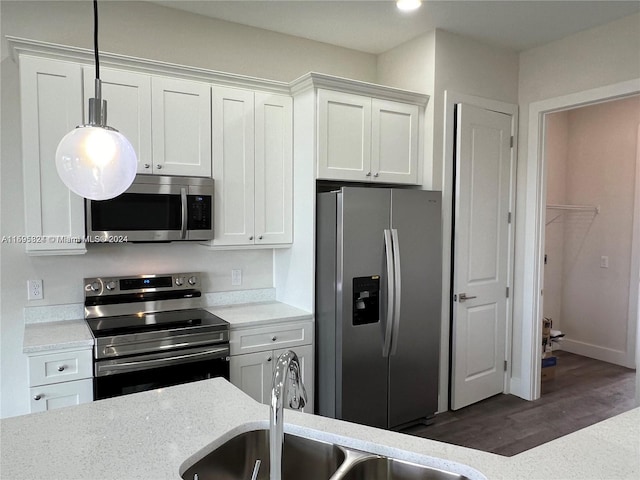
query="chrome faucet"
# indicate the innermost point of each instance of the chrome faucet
(287, 368)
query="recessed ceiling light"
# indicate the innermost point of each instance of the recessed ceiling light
(408, 5)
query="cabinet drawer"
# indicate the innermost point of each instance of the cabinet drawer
(50, 397)
(60, 367)
(270, 337)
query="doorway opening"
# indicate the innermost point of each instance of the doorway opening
(590, 157)
(533, 243)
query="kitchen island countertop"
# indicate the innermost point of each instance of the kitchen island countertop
(149, 435)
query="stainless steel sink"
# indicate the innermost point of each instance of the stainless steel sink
(382, 468)
(302, 459)
(307, 459)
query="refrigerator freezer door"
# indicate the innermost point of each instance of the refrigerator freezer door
(413, 370)
(362, 371)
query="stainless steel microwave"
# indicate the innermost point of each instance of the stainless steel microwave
(154, 209)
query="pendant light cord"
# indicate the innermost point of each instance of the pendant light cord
(95, 37)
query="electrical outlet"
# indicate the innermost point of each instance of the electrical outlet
(34, 290)
(236, 277)
(604, 262)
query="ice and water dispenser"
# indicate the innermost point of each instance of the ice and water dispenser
(366, 300)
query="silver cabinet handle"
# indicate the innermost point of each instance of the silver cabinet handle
(159, 167)
(376, 174)
(463, 296)
(61, 368)
(37, 397)
(251, 237)
(260, 237)
(368, 174)
(268, 359)
(146, 165)
(274, 338)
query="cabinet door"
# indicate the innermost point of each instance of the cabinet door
(128, 97)
(344, 136)
(51, 106)
(253, 374)
(394, 142)
(305, 355)
(233, 166)
(181, 116)
(58, 395)
(273, 169)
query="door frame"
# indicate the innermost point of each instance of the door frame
(451, 98)
(532, 211)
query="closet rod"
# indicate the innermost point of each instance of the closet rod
(575, 207)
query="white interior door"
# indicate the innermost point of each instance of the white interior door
(481, 254)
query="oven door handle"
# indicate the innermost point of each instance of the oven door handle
(132, 366)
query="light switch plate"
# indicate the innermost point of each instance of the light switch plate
(236, 277)
(604, 262)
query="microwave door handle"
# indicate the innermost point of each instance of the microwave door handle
(183, 202)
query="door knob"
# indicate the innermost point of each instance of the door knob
(463, 296)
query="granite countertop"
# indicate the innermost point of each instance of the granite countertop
(50, 336)
(253, 314)
(150, 435)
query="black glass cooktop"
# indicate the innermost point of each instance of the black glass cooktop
(153, 322)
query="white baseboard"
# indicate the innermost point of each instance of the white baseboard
(605, 354)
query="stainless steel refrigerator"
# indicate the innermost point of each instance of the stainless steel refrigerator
(378, 291)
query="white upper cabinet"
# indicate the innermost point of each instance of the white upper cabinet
(128, 96)
(252, 167)
(367, 139)
(394, 142)
(181, 117)
(167, 120)
(273, 168)
(344, 136)
(51, 106)
(233, 166)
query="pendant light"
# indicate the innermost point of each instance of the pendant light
(94, 160)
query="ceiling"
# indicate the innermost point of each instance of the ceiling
(377, 26)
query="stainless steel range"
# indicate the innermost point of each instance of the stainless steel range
(151, 332)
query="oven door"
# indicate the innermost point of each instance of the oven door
(139, 373)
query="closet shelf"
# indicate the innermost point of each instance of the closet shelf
(572, 208)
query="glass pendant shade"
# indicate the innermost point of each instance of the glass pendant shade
(95, 162)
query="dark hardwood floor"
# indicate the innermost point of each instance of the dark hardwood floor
(584, 391)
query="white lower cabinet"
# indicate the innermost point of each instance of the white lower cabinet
(58, 395)
(60, 379)
(253, 372)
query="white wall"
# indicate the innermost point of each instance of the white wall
(601, 168)
(147, 31)
(598, 57)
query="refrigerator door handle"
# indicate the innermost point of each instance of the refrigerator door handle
(397, 291)
(388, 248)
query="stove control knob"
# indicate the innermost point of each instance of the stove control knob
(94, 286)
(180, 281)
(111, 285)
(193, 280)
